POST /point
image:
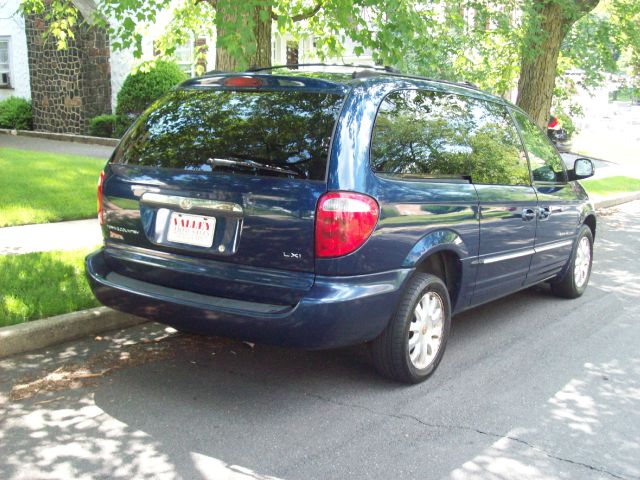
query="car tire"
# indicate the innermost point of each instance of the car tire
(575, 279)
(413, 343)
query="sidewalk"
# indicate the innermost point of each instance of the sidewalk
(50, 236)
(54, 146)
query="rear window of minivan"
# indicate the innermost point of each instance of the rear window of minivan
(266, 133)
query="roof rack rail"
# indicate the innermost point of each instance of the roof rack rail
(348, 65)
(462, 83)
(380, 68)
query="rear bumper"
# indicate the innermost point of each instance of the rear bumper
(336, 311)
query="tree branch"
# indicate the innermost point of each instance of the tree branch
(585, 6)
(213, 3)
(303, 15)
(579, 10)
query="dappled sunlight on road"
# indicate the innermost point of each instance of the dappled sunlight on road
(593, 415)
(62, 443)
(52, 426)
(69, 441)
(51, 436)
(578, 408)
(577, 411)
(506, 459)
(213, 469)
(612, 273)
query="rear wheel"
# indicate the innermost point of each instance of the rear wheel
(412, 345)
(575, 280)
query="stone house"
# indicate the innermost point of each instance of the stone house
(70, 87)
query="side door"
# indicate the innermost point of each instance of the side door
(507, 203)
(558, 209)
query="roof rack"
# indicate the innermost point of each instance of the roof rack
(462, 83)
(348, 65)
(367, 71)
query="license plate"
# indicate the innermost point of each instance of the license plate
(191, 229)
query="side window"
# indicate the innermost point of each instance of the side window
(497, 156)
(431, 134)
(418, 133)
(546, 164)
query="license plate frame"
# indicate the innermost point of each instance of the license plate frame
(192, 230)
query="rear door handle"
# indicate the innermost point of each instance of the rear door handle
(544, 213)
(528, 214)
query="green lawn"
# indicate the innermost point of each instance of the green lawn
(41, 187)
(611, 186)
(38, 285)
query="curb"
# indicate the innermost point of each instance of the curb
(64, 137)
(46, 332)
(617, 200)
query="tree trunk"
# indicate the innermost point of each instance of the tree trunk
(255, 54)
(538, 72)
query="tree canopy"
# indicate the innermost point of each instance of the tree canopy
(496, 44)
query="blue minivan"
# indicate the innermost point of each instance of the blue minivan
(318, 209)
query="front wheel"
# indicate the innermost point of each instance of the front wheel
(575, 280)
(412, 345)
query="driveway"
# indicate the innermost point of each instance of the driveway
(531, 387)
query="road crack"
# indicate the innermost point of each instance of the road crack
(404, 416)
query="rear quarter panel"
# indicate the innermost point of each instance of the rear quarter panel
(417, 217)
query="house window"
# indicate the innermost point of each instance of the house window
(184, 57)
(292, 53)
(5, 67)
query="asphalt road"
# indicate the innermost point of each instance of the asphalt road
(531, 387)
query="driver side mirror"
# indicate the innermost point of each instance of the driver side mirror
(582, 168)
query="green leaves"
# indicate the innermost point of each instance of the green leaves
(60, 15)
(482, 41)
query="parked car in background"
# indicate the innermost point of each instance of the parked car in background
(320, 209)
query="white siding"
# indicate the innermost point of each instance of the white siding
(12, 27)
(122, 62)
(307, 54)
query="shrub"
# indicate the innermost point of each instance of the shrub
(15, 112)
(142, 88)
(122, 123)
(103, 126)
(567, 123)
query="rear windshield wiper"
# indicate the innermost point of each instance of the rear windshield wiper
(230, 162)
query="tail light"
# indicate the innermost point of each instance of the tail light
(344, 221)
(100, 209)
(250, 82)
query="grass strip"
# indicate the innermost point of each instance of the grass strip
(42, 187)
(43, 284)
(603, 187)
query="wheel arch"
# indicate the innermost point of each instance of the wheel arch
(590, 221)
(440, 253)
